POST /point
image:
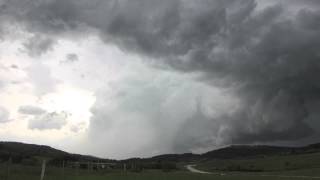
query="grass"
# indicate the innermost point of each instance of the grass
(18, 172)
(304, 163)
(279, 167)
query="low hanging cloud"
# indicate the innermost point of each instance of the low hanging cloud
(4, 115)
(266, 56)
(31, 110)
(148, 111)
(48, 121)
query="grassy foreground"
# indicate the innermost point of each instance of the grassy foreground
(18, 172)
(289, 163)
(300, 167)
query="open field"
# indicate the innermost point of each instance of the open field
(18, 172)
(291, 163)
(23, 162)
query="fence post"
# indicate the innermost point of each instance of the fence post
(43, 169)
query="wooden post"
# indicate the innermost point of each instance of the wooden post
(43, 169)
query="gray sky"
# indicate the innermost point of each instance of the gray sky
(123, 78)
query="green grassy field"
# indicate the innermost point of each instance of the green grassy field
(288, 163)
(18, 172)
(304, 166)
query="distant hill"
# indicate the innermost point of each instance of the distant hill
(238, 151)
(29, 149)
(187, 157)
(245, 151)
(31, 153)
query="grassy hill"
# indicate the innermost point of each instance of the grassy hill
(31, 154)
(235, 157)
(264, 164)
(261, 159)
(250, 151)
(233, 162)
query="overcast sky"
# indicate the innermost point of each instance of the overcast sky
(124, 78)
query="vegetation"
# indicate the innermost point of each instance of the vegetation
(19, 172)
(23, 161)
(266, 163)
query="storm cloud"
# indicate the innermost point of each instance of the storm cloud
(37, 45)
(265, 55)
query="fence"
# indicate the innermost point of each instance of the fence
(65, 170)
(44, 171)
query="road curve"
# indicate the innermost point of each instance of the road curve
(194, 170)
(191, 168)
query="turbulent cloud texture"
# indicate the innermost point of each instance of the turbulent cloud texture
(264, 54)
(38, 44)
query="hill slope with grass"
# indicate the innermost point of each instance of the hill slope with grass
(31, 154)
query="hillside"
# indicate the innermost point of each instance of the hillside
(31, 154)
(246, 151)
(238, 152)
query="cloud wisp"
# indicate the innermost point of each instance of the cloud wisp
(31, 110)
(48, 121)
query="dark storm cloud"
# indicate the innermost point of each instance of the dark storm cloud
(269, 59)
(37, 45)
